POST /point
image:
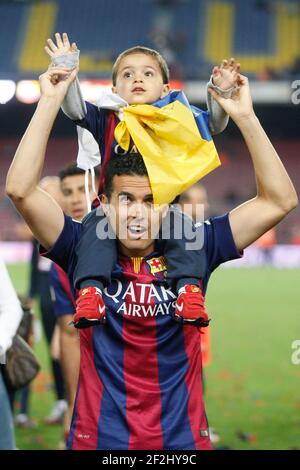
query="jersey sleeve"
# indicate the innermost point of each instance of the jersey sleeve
(63, 251)
(94, 121)
(63, 300)
(218, 242)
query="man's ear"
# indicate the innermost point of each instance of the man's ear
(113, 89)
(166, 90)
(105, 204)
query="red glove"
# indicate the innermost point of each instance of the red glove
(90, 308)
(190, 306)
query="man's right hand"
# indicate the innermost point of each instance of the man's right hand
(226, 75)
(55, 82)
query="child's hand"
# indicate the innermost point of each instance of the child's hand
(226, 75)
(239, 107)
(61, 47)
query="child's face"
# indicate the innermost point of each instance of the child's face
(139, 80)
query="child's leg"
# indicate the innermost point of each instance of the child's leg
(182, 246)
(96, 257)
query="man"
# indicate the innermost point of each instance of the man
(140, 373)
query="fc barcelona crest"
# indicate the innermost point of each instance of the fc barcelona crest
(157, 265)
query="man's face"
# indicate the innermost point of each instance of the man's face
(132, 215)
(74, 200)
(139, 80)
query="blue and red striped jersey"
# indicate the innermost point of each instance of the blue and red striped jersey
(140, 383)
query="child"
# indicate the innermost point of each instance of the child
(140, 76)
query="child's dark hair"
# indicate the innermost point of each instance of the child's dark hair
(72, 169)
(142, 50)
(130, 164)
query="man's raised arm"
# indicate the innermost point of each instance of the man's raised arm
(43, 215)
(276, 195)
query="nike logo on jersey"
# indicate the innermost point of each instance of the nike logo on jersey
(179, 307)
(101, 309)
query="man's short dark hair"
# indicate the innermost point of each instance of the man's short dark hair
(72, 169)
(130, 164)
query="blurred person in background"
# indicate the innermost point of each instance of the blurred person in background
(266, 245)
(39, 288)
(191, 201)
(295, 238)
(20, 399)
(72, 185)
(10, 317)
(194, 202)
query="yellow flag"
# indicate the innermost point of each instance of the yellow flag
(175, 154)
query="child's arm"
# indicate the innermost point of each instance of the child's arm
(223, 81)
(63, 54)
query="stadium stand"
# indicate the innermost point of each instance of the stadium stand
(194, 33)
